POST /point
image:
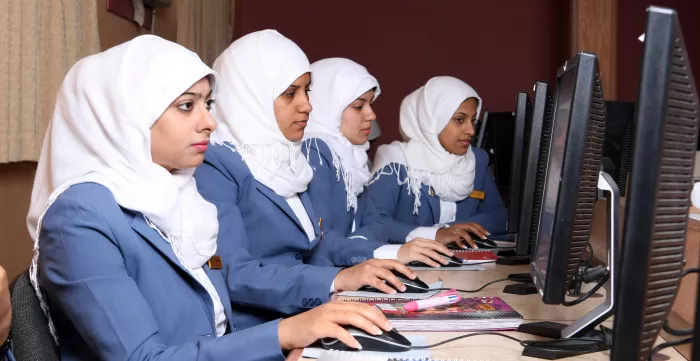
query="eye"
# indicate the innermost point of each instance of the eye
(308, 90)
(289, 93)
(358, 107)
(186, 106)
(459, 120)
(210, 103)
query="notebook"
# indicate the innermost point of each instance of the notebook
(364, 295)
(466, 267)
(352, 356)
(416, 340)
(470, 314)
(475, 256)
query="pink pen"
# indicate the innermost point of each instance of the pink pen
(445, 298)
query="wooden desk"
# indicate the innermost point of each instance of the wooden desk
(531, 307)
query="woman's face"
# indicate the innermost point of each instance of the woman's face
(292, 108)
(457, 135)
(356, 123)
(180, 136)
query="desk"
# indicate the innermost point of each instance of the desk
(530, 307)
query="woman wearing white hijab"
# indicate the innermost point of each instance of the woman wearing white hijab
(125, 247)
(436, 185)
(336, 147)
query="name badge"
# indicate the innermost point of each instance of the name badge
(215, 262)
(478, 195)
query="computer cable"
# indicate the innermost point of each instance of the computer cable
(684, 331)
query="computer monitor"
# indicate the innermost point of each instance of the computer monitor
(533, 180)
(519, 152)
(497, 141)
(482, 129)
(618, 141)
(660, 183)
(571, 177)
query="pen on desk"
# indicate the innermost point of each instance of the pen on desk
(447, 298)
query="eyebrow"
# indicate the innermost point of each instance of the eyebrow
(197, 95)
(362, 100)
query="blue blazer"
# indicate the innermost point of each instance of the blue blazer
(395, 205)
(274, 234)
(7, 356)
(329, 198)
(117, 292)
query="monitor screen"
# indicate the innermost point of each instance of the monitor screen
(560, 126)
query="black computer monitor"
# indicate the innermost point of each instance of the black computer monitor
(518, 159)
(533, 181)
(660, 183)
(571, 177)
(618, 141)
(497, 141)
(482, 129)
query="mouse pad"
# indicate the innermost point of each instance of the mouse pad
(398, 296)
(416, 340)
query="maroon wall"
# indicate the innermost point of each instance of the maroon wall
(631, 24)
(498, 47)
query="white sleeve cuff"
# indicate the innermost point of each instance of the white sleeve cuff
(389, 251)
(423, 232)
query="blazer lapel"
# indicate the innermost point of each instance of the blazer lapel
(279, 201)
(315, 220)
(154, 238)
(217, 279)
(433, 202)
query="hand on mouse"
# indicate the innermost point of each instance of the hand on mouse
(372, 273)
(459, 232)
(425, 251)
(5, 308)
(325, 321)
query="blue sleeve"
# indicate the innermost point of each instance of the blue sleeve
(84, 275)
(276, 287)
(383, 193)
(7, 356)
(491, 212)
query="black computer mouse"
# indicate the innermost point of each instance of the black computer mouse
(481, 243)
(412, 286)
(391, 341)
(452, 262)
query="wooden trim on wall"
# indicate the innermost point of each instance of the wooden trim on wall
(594, 28)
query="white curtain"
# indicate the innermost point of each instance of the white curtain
(39, 41)
(205, 26)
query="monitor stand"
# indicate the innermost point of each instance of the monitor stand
(584, 327)
(510, 257)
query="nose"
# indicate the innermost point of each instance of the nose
(206, 123)
(370, 116)
(304, 105)
(469, 128)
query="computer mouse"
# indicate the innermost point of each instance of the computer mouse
(391, 341)
(481, 243)
(412, 286)
(452, 262)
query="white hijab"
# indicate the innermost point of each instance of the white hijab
(337, 83)
(424, 114)
(254, 71)
(100, 132)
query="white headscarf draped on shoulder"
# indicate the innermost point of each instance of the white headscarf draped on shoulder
(100, 133)
(254, 71)
(337, 83)
(424, 114)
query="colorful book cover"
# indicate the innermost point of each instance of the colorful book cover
(476, 255)
(473, 308)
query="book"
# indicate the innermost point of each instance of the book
(475, 256)
(355, 356)
(470, 314)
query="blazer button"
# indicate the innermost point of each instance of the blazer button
(297, 256)
(304, 302)
(318, 301)
(353, 259)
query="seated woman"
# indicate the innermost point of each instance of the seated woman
(126, 246)
(255, 170)
(336, 146)
(436, 185)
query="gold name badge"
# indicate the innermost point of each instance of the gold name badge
(478, 195)
(215, 262)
